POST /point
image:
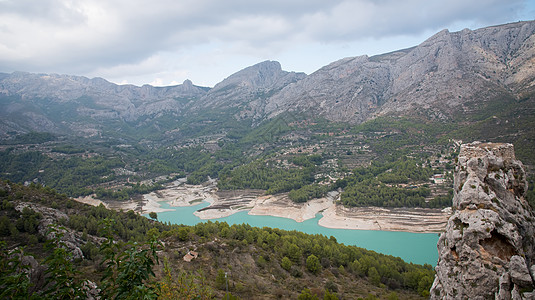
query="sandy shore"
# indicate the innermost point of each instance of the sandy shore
(282, 206)
(226, 203)
(420, 220)
(90, 200)
(334, 216)
(177, 194)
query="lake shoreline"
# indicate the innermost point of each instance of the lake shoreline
(256, 202)
(412, 230)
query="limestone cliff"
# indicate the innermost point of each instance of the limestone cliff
(448, 74)
(488, 248)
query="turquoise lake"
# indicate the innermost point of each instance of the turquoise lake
(420, 248)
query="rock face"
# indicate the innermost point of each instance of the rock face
(247, 90)
(450, 72)
(71, 239)
(74, 104)
(488, 248)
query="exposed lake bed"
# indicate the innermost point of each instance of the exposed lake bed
(256, 202)
(409, 233)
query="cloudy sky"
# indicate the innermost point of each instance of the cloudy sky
(164, 42)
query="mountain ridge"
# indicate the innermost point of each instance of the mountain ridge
(422, 75)
(449, 74)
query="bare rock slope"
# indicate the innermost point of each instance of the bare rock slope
(450, 72)
(488, 248)
(64, 103)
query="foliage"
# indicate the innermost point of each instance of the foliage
(266, 175)
(30, 138)
(292, 247)
(128, 271)
(69, 175)
(306, 294)
(221, 279)
(392, 135)
(67, 149)
(313, 264)
(307, 192)
(183, 286)
(127, 267)
(378, 185)
(14, 279)
(329, 296)
(61, 273)
(286, 263)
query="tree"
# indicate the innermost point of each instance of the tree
(5, 226)
(221, 279)
(14, 282)
(286, 263)
(374, 276)
(292, 251)
(153, 215)
(329, 296)
(184, 285)
(128, 271)
(313, 264)
(306, 294)
(61, 273)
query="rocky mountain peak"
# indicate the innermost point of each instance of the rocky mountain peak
(246, 87)
(488, 248)
(259, 75)
(436, 78)
(187, 83)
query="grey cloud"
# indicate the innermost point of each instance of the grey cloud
(139, 29)
(390, 17)
(50, 11)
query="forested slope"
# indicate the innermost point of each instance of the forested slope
(106, 247)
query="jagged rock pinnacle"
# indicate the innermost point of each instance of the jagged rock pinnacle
(487, 250)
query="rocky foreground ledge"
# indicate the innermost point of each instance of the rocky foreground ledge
(488, 248)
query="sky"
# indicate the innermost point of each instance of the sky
(164, 42)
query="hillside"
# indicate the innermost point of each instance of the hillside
(265, 263)
(389, 121)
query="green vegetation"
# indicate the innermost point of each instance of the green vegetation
(30, 138)
(270, 176)
(125, 269)
(71, 175)
(391, 157)
(401, 135)
(402, 183)
(308, 192)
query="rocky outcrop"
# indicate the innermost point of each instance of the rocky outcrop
(70, 239)
(488, 248)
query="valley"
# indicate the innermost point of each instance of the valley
(363, 143)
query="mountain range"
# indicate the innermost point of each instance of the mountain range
(449, 75)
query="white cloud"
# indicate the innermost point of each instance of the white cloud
(141, 41)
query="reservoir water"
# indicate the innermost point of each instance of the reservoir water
(420, 248)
